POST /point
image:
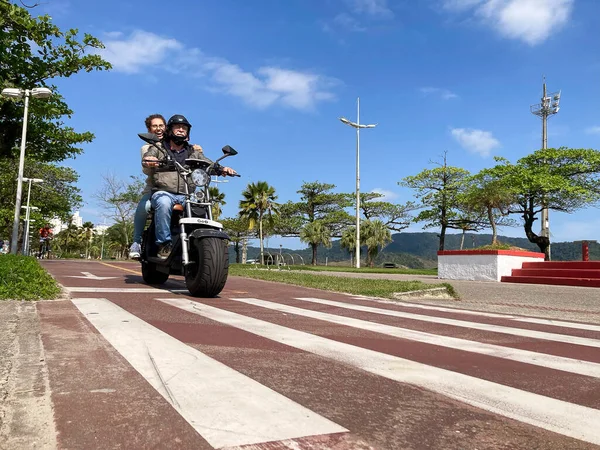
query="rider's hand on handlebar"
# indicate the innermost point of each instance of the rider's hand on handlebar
(228, 171)
(150, 161)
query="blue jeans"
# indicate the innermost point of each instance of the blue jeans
(163, 203)
(139, 220)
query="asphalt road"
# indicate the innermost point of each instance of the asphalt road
(272, 366)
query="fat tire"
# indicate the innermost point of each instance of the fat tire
(207, 275)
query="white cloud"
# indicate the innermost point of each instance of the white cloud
(139, 51)
(346, 21)
(475, 141)
(593, 130)
(388, 196)
(269, 85)
(445, 94)
(531, 21)
(375, 8)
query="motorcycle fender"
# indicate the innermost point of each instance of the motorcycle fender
(208, 232)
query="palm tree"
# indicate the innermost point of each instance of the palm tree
(316, 233)
(218, 201)
(88, 229)
(374, 234)
(258, 200)
(348, 241)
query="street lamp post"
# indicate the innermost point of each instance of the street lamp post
(26, 238)
(548, 107)
(19, 93)
(358, 126)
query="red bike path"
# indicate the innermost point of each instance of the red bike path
(355, 373)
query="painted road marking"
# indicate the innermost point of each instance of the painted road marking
(100, 290)
(566, 418)
(524, 356)
(463, 323)
(556, 323)
(224, 406)
(90, 276)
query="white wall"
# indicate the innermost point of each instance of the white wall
(480, 267)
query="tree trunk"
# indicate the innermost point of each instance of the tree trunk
(236, 248)
(262, 248)
(314, 254)
(462, 239)
(493, 225)
(541, 241)
(442, 237)
(244, 251)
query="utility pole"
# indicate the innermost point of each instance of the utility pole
(548, 107)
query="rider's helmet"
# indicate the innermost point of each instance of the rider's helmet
(178, 119)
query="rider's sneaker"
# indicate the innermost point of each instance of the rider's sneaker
(164, 250)
(134, 251)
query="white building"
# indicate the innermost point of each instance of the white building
(77, 220)
(100, 229)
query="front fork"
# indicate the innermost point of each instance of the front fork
(184, 245)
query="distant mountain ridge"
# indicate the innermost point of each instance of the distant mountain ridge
(419, 250)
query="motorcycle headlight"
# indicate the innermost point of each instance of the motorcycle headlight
(200, 177)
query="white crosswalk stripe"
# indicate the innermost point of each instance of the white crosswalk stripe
(224, 406)
(555, 415)
(524, 356)
(464, 324)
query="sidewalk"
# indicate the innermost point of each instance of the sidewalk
(556, 302)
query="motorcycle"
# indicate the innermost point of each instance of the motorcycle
(200, 246)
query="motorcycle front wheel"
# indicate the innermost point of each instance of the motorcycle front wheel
(207, 272)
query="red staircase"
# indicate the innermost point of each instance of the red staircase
(565, 273)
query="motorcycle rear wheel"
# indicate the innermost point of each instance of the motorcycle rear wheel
(151, 275)
(207, 274)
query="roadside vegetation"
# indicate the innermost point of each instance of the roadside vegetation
(358, 286)
(22, 278)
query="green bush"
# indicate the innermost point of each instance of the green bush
(22, 278)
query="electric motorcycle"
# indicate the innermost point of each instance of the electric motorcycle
(199, 244)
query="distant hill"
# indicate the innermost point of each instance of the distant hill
(419, 250)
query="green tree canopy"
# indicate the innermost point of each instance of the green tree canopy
(562, 179)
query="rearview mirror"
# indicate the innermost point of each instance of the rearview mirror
(150, 138)
(228, 150)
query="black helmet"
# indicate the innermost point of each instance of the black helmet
(178, 119)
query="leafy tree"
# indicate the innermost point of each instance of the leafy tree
(316, 233)
(237, 229)
(120, 200)
(34, 52)
(57, 196)
(317, 202)
(563, 180)
(488, 197)
(258, 201)
(439, 190)
(394, 217)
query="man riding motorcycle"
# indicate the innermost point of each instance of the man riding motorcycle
(168, 186)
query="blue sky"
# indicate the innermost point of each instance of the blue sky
(271, 77)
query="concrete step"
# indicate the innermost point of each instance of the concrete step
(556, 272)
(562, 281)
(562, 265)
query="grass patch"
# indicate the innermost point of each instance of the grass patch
(365, 270)
(22, 278)
(357, 286)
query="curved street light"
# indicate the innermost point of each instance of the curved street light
(41, 92)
